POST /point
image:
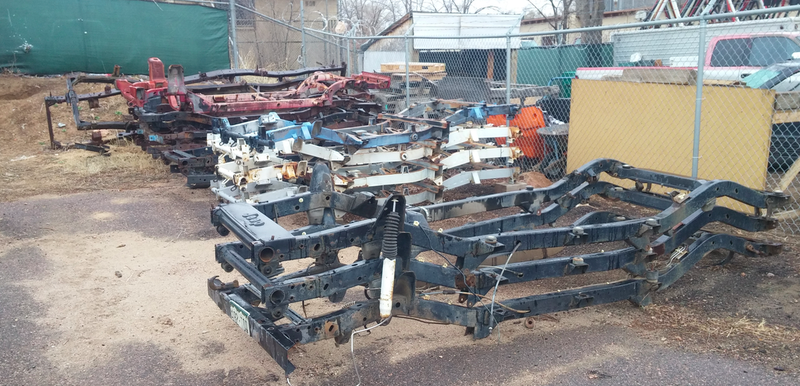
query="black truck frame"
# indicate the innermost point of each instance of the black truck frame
(660, 249)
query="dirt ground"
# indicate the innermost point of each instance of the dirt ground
(30, 168)
(104, 261)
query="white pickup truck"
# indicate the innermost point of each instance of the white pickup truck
(733, 50)
(728, 57)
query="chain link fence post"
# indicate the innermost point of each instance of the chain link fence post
(408, 74)
(303, 32)
(340, 41)
(232, 33)
(349, 57)
(508, 68)
(698, 107)
(408, 64)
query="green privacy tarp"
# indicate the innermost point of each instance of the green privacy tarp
(540, 64)
(60, 36)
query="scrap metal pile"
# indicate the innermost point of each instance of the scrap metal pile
(389, 273)
(170, 115)
(262, 144)
(422, 152)
(315, 143)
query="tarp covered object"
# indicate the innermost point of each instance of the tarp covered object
(55, 37)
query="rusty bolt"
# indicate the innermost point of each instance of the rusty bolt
(530, 322)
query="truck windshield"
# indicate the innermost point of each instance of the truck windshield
(753, 52)
(771, 49)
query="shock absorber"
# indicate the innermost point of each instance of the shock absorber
(391, 229)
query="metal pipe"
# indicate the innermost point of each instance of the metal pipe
(234, 47)
(698, 104)
(302, 31)
(50, 126)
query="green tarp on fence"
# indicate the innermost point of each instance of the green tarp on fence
(55, 37)
(540, 64)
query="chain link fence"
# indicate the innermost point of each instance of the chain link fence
(703, 96)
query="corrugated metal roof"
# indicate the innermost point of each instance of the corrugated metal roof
(467, 25)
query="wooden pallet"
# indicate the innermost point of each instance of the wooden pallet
(412, 67)
(418, 76)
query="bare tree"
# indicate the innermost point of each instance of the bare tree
(371, 16)
(368, 17)
(459, 6)
(590, 14)
(556, 13)
(413, 5)
(395, 9)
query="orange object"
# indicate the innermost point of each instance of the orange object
(528, 119)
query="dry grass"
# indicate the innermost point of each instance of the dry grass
(715, 329)
(124, 158)
(23, 123)
(739, 337)
(72, 171)
(30, 168)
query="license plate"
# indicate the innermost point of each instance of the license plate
(240, 316)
